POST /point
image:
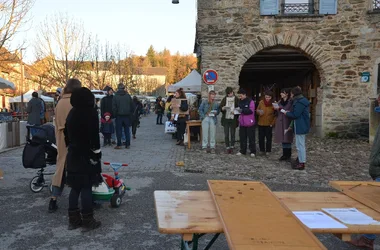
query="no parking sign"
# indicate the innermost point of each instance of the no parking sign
(210, 77)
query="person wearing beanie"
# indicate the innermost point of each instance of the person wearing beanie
(246, 124)
(106, 107)
(229, 119)
(83, 158)
(107, 128)
(122, 109)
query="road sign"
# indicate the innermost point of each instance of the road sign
(210, 76)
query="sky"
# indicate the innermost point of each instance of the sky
(136, 24)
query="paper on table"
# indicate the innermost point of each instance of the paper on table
(351, 216)
(317, 219)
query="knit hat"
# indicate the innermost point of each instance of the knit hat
(242, 91)
(107, 114)
(120, 86)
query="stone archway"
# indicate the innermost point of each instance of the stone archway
(320, 60)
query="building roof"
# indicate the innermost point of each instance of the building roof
(158, 71)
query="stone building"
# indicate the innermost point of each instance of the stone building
(323, 46)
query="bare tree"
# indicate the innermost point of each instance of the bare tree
(13, 16)
(63, 43)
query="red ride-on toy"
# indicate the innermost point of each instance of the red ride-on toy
(113, 188)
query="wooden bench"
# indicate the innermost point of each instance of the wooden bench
(193, 123)
(193, 213)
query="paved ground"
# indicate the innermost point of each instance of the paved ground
(25, 223)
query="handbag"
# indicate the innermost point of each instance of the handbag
(170, 127)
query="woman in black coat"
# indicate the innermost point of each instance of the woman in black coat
(83, 158)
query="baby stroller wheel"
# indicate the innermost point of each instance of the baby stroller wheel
(115, 201)
(37, 184)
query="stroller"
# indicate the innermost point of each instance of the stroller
(40, 151)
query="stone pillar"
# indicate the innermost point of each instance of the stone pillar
(374, 119)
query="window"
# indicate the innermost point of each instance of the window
(376, 5)
(298, 7)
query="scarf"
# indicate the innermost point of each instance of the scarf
(283, 102)
(268, 104)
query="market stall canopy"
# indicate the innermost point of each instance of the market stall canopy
(5, 84)
(28, 97)
(191, 83)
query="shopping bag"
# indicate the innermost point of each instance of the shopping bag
(170, 128)
(185, 138)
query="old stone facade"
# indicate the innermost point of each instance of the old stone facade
(341, 46)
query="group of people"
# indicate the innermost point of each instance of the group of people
(120, 116)
(290, 116)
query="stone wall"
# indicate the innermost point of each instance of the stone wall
(341, 46)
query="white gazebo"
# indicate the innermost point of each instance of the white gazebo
(28, 96)
(191, 83)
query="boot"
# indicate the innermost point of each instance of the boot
(75, 219)
(363, 242)
(88, 221)
(52, 205)
(286, 154)
(299, 166)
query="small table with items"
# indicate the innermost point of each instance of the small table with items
(193, 123)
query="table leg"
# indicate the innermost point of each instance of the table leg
(188, 137)
(212, 241)
(344, 237)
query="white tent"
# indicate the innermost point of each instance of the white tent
(191, 83)
(28, 97)
(5, 84)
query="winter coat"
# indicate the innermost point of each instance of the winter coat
(61, 112)
(122, 104)
(205, 108)
(374, 159)
(106, 127)
(268, 118)
(159, 107)
(82, 131)
(283, 123)
(106, 105)
(223, 104)
(138, 109)
(247, 116)
(34, 110)
(300, 114)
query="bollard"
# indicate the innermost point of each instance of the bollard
(374, 120)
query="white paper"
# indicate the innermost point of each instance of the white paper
(236, 112)
(230, 105)
(351, 216)
(317, 219)
(275, 105)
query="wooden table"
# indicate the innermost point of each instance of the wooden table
(193, 213)
(254, 218)
(193, 123)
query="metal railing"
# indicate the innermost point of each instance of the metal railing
(299, 8)
(376, 4)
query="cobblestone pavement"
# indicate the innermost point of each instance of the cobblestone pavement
(327, 159)
(26, 224)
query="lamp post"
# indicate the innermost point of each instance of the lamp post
(22, 84)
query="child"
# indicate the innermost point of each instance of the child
(107, 129)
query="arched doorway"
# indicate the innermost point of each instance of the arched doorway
(280, 67)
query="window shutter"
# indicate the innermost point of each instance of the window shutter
(328, 7)
(268, 7)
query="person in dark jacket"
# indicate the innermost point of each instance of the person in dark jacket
(159, 109)
(282, 132)
(106, 106)
(122, 109)
(229, 119)
(107, 128)
(83, 164)
(246, 124)
(301, 116)
(180, 114)
(34, 110)
(136, 115)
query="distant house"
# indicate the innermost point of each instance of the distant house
(150, 81)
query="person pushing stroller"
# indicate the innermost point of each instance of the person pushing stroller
(107, 129)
